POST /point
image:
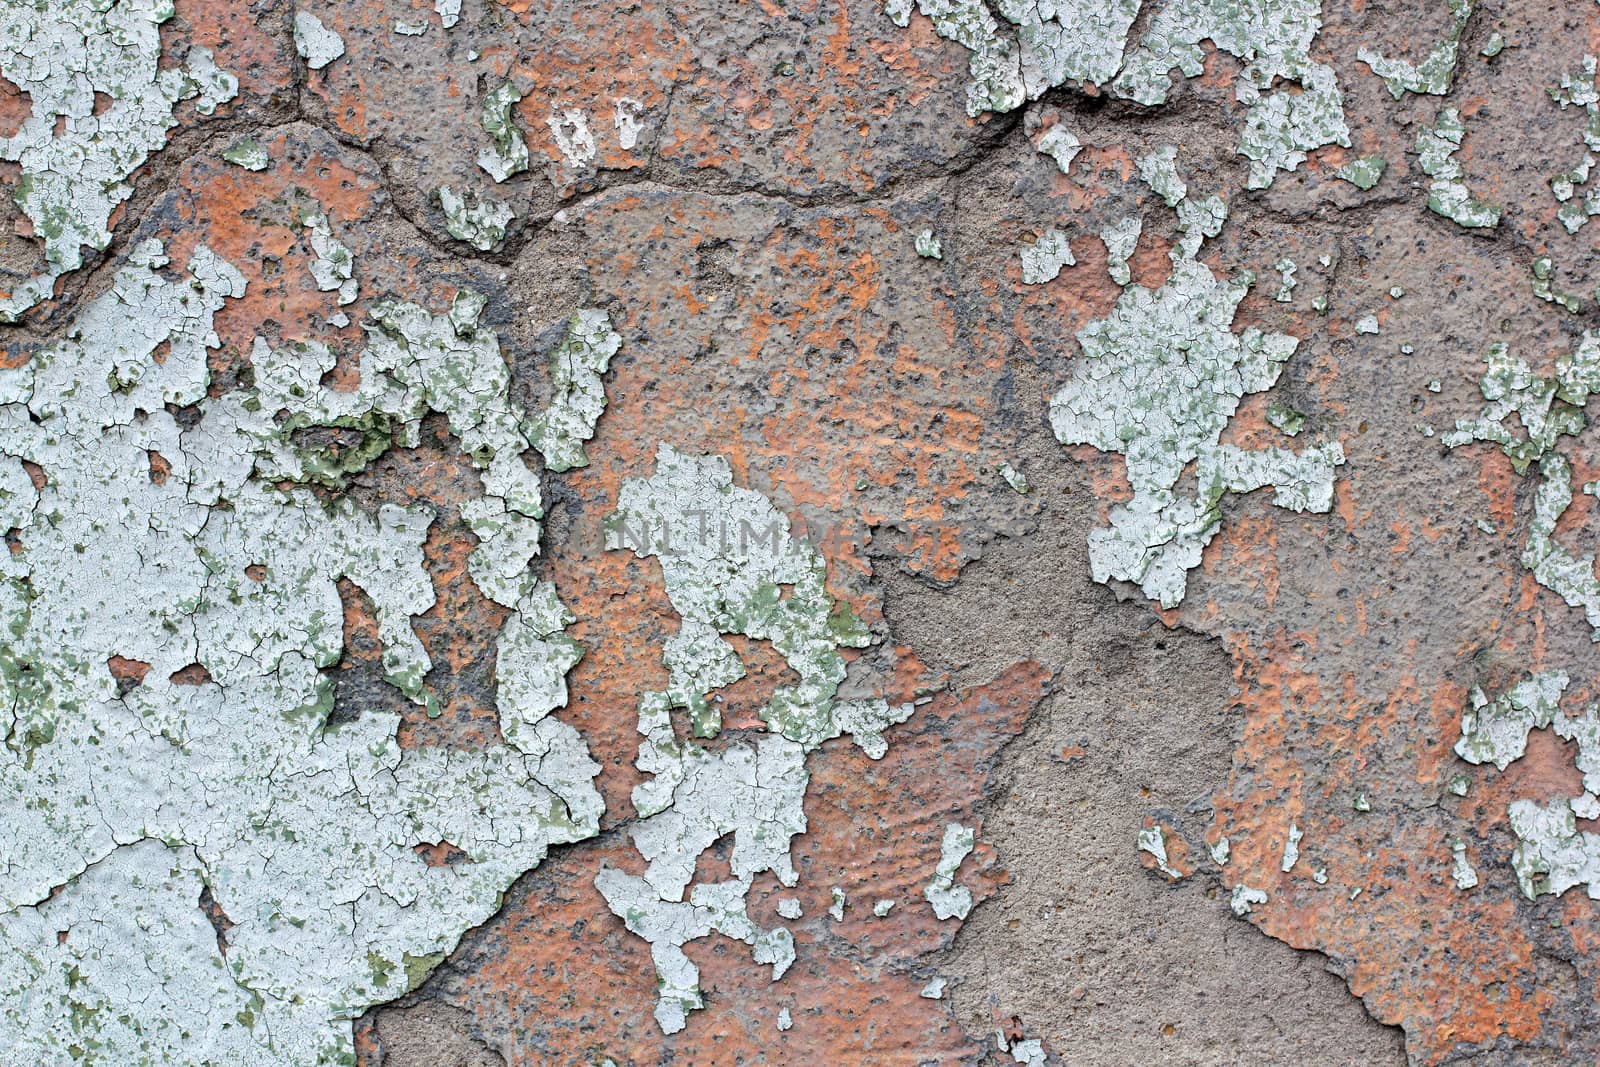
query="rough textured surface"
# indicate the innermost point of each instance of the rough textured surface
(980, 706)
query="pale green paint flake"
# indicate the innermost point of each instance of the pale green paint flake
(302, 829)
(785, 1020)
(481, 222)
(789, 907)
(1285, 418)
(577, 366)
(1447, 193)
(410, 29)
(928, 246)
(333, 266)
(1526, 415)
(728, 556)
(1544, 287)
(1363, 173)
(837, 904)
(1061, 145)
(1015, 479)
(1043, 259)
(449, 12)
(1493, 46)
(934, 990)
(315, 43)
(1579, 91)
(1244, 898)
(1496, 731)
(247, 152)
(1153, 841)
(507, 153)
(1438, 68)
(1120, 239)
(1286, 270)
(1158, 382)
(882, 908)
(1367, 324)
(75, 157)
(951, 900)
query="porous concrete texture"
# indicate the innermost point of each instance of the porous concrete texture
(546, 528)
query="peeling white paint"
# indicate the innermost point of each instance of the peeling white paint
(1043, 259)
(1244, 898)
(302, 829)
(74, 162)
(570, 130)
(625, 114)
(727, 557)
(1158, 381)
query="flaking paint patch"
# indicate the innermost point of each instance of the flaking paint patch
(302, 829)
(507, 152)
(1526, 415)
(1552, 855)
(1434, 74)
(1293, 104)
(1437, 146)
(1579, 91)
(76, 157)
(1043, 259)
(731, 565)
(1158, 382)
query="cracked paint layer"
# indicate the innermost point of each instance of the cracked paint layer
(76, 156)
(1076, 41)
(732, 565)
(481, 222)
(220, 769)
(1120, 399)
